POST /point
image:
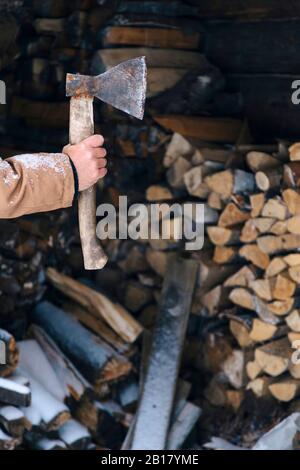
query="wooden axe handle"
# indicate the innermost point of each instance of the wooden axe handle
(81, 127)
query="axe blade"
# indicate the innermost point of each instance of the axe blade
(123, 86)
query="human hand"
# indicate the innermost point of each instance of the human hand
(89, 160)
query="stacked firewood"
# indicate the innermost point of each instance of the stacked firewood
(256, 242)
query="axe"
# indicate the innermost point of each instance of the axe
(123, 87)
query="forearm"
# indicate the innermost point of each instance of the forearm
(35, 183)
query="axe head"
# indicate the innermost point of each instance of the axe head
(123, 86)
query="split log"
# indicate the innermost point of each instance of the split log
(294, 152)
(292, 200)
(234, 368)
(232, 215)
(262, 288)
(94, 358)
(97, 326)
(292, 174)
(178, 147)
(285, 390)
(13, 393)
(276, 209)
(45, 410)
(255, 255)
(8, 442)
(34, 363)
(175, 174)
(226, 254)
(274, 357)
(276, 266)
(293, 321)
(13, 421)
(262, 331)
(216, 299)
(242, 278)
(241, 332)
(70, 378)
(249, 232)
(98, 305)
(253, 369)
(223, 236)
(161, 404)
(257, 202)
(282, 287)
(182, 426)
(9, 354)
(230, 182)
(157, 192)
(266, 311)
(260, 386)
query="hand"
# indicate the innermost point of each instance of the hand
(88, 159)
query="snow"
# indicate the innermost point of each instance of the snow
(34, 363)
(13, 386)
(43, 161)
(73, 431)
(43, 403)
(48, 444)
(11, 413)
(4, 437)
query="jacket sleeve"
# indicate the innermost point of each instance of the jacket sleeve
(35, 183)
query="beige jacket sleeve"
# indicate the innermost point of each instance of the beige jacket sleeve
(35, 183)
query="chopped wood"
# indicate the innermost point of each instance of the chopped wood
(274, 357)
(292, 200)
(276, 266)
(178, 147)
(279, 227)
(260, 386)
(249, 232)
(8, 442)
(194, 183)
(262, 288)
(216, 299)
(13, 421)
(182, 426)
(293, 259)
(70, 378)
(257, 202)
(235, 398)
(214, 200)
(158, 193)
(175, 174)
(241, 278)
(223, 236)
(242, 297)
(230, 182)
(94, 358)
(232, 215)
(225, 254)
(241, 333)
(293, 321)
(234, 368)
(285, 390)
(98, 305)
(9, 354)
(276, 209)
(253, 369)
(263, 224)
(293, 224)
(255, 255)
(262, 331)
(13, 393)
(282, 286)
(74, 435)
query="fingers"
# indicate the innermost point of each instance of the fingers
(94, 141)
(99, 153)
(102, 163)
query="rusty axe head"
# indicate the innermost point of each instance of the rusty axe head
(123, 86)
